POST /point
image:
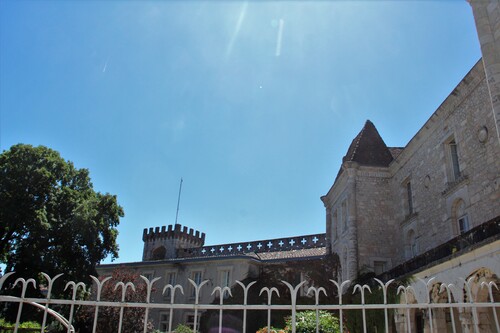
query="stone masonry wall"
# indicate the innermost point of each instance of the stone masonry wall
(340, 227)
(375, 219)
(381, 226)
(465, 117)
(487, 18)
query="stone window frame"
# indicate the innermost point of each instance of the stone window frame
(164, 320)
(412, 247)
(168, 274)
(189, 319)
(379, 266)
(463, 223)
(376, 261)
(453, 164)
(344, 215)
(409, 198)
(335, 224)
(219, 283)
(409, 203)
(149, 274)
(460, 214)
(192, 290)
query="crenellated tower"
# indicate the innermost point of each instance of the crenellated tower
(171, 242)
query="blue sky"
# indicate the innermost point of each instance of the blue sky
(252, 103)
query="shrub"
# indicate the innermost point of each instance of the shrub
(183, 329)
(306, 322)
(26, 324)
(272, 330)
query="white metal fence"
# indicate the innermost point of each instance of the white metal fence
(472, 313)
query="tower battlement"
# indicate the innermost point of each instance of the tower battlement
(166, 242)
(174, 232)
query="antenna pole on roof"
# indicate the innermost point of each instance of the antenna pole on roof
(178, 202)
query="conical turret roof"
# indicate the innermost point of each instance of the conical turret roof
(368, 148)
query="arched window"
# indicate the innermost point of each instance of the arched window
(444, 320)
(480, 294)
(461, 217)
(159, 253)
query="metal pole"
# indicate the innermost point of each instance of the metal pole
(178, 202)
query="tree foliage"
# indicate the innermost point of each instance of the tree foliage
(51, 218)
(108, 319)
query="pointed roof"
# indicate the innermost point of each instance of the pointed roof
(368, 148)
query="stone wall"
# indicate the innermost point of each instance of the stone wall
(487, 18)
(448, 171)
(375, 219)
(340, 206)
(466, 118)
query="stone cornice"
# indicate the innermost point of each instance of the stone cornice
(339, 185)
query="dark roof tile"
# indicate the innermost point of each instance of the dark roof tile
(368, 148)
(395, 151)
(293, 254)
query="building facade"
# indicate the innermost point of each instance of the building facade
(428, 209)
(442, 184)
(178, 254)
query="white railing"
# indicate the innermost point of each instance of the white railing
(469, 308)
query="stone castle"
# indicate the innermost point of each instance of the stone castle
(430, 208)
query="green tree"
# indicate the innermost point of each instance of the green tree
(51, 218)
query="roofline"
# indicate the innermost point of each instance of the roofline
(457, 95)
(293, 259)
(466, 85)
(204, 260)
(175, 261)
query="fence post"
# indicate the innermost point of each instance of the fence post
(340, 288)
(293, 296)
(25, 284)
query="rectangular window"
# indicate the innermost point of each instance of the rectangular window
(379, 267)
(164, 321)
(171, 279)
(196, 277)
(414, 249)
(334, 225)
(409, 195)
(225, 280)
(190, 321)
(455, 167)
(148, 275)
(344, 215)
(463, 224)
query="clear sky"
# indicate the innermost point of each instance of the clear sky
(252, 103)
